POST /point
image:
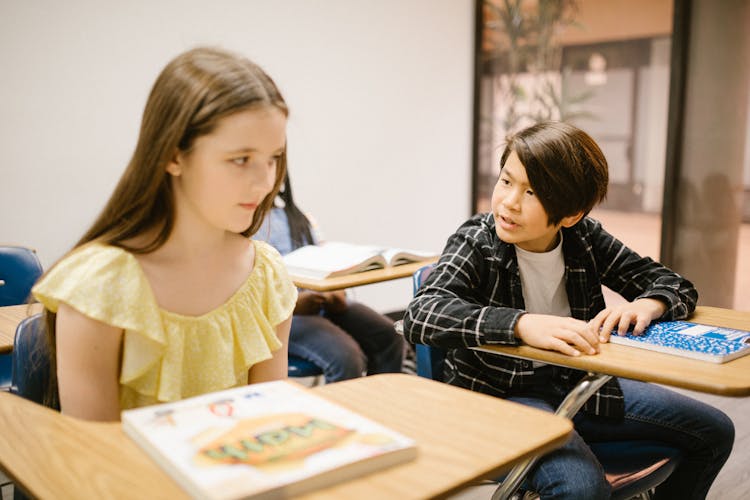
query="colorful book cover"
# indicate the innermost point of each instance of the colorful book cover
(269, 440)
(692, 340)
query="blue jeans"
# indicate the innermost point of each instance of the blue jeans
(349, 344)
(703, 433)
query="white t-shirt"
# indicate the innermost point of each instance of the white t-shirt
(543, 282)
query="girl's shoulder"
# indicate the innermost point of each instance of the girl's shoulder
(266, 255)
(92, 261)
(269, 272)
(94, 276)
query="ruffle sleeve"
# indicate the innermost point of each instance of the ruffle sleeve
(280, 297)
(106, 283)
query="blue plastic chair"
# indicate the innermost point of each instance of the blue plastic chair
(633, 468)
(19, 270)
(31, 364)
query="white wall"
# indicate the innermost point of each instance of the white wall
(380, 95)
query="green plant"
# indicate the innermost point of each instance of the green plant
(525, 57)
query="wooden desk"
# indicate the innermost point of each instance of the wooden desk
(726, 379)
(10, 316)
(359, 279)
(462, 436)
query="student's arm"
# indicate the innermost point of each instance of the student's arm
(450, 311)
(88, 366)
(654, 291)
(309, 302)
(277, 367)
(335, 302)
(557, 333)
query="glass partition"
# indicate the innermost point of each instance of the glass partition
(605, 67)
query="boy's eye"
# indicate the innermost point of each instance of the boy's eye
(530, 192)
(276, 159)
(504, 181)
(242, 160)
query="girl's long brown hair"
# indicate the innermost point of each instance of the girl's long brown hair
(193, 92)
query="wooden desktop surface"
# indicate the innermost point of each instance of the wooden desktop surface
(462, 436)
(359, 279)
(10, 316)
(726, 379)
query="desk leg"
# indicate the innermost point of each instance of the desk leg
(568, 408)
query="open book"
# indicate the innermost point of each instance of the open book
(333, 258)
(692, 340)
(268, 440)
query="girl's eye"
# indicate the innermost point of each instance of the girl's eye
(242, 160)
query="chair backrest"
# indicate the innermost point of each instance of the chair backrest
(430, 360)
(19, 270)
(31, 364)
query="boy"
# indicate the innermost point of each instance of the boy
(532, 272)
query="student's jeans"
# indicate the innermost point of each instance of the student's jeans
(703, 433)
(349, 344)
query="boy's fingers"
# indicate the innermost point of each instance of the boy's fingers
(625, 321)
(609, 324)
(640, 325)
(578, 340)
(564, 347)
(592, 339)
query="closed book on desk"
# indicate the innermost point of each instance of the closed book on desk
(691, 340)
(334, 258)
(269, 440)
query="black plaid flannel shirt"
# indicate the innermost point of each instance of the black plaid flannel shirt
(473, 297)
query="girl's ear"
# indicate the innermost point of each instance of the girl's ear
(571, 220)
(174, 167)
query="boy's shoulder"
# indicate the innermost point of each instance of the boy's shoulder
(477, 234)
(585, 228)
(478, 223)
(479, 228)
(589, 236)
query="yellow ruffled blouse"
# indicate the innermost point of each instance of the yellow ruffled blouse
(168, 356)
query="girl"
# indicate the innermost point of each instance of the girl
(165, 297)
(345, 339)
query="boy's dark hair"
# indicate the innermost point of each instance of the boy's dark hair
(566, 169)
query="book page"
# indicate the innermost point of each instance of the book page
(398, 256)
(333, 258)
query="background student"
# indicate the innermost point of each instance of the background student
(345, 338)
(532, 272)
(165, 296)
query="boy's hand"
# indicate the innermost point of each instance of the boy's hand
(566, 335)
(619, 318)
